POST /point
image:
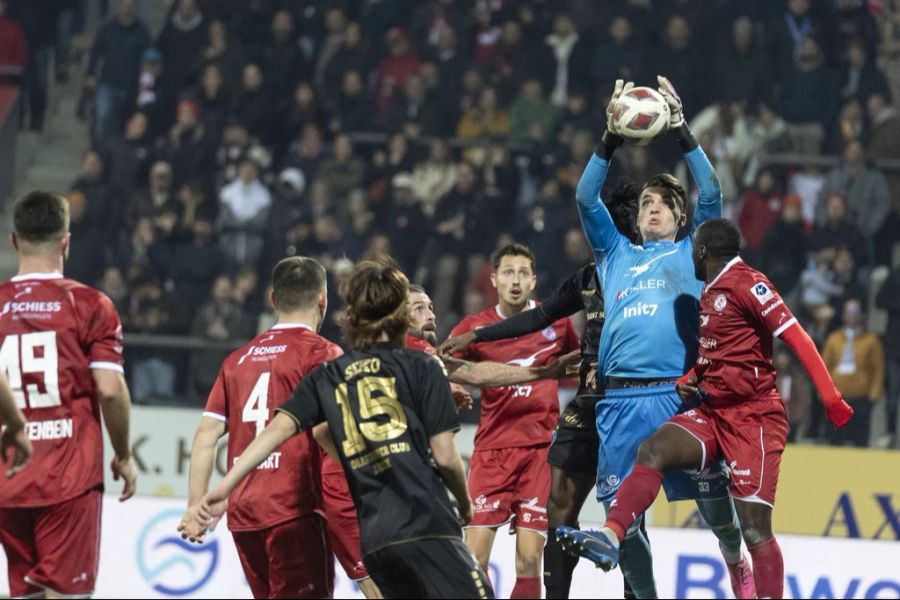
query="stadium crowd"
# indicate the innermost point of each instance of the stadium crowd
(436, 131)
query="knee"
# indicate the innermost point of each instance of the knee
(651, 454)
(528, 564)
(756, 533)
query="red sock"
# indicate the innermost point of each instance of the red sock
(636, 494)
(527, 587)
(768, 569)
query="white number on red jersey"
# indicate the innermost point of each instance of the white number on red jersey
(19, 355)
(256, 408)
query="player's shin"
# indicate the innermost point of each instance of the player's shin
(721, 517)
(558, 568)
(636, 494)
(768, 569)
(636, 562)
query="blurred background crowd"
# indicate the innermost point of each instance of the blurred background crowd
(240, 131)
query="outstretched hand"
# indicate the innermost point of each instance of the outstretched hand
(15, 439)
(676, 110)
(455, 344)
(687, 386)
(621, 88)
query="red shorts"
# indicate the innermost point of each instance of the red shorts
(749, 437)
(343, 525)
(55, 548)
(510, 485)
(288, 560)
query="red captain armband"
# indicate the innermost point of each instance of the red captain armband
(836, 408)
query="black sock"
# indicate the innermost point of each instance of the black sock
(558, 568)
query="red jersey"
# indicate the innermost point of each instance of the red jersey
(417, 343)
(740, 314)
(252, 383)
(518, 415)
(54, 331)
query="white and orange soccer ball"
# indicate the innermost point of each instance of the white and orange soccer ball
(640, 115)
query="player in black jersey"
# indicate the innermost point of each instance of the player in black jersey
(393, 422)
(573, 453)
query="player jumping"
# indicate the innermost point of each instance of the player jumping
(741, 418)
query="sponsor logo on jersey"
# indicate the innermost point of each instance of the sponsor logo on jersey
(30, 307)
(708, 343)
(644, 284)
(733, 469)
(704, 320)
(529, 362)
(769, 309)
(641, 310)
(609, 484)
(482, 505)
(257, 352)
(720, 303)
(762, 292)
(549, 333)
(639, 270)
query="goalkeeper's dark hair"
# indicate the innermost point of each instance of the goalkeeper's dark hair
(720, 237)
(376, 295)
(622, 203)
(670, 189)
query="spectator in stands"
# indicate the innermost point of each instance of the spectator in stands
(129, 155)
(393, 70)
(254, 105)
(219, 320)
(13, 49)
(868, 199)
(741, 70)
(330, 45)
(38, 23)
(860, 76)
(352, 55)
(545, 225)
(222, 51)
(213, 97)
(817, 282)
(532, 118)
(888, 299)
(677, 57)
(282, 61)
(618, 58)
(849, 277)
(188, 146)
(150, 96)
(344, 172)
(884, 137)
(564, 61)
(808, 77)
(761, 206)
(197, 262)
(181, 42)
(784, 247)
(768, 134)
(853, 25)
(403, 221)
(243, 211)
(850, 127)
(414, 103)
(855, 359)
(114, 65)
(788, 32)
(435, 176)
(838, 231)
(449, 57)
(302, 108)
(158, 196)
(351, 110)
(484, 120)
(246, 297)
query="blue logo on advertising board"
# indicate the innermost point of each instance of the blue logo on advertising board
(171, 565)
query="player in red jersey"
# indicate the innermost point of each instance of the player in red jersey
(14, 435)
(509, 477)
(62, 353)
(280, 538)
(740, 417)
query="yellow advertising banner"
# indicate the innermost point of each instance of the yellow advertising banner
(824, 491)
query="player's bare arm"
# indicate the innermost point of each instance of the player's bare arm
(213, 504)
(115, 403)
(456, 343)
(452, 470)
(494, 374)
(14, 435)
(203, 457)
(322, 435)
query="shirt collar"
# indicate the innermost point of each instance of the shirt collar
(728, 265)
(31, 276)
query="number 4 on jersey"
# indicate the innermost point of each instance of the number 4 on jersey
(256, 408)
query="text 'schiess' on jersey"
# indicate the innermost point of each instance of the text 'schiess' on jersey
(54, 331)
(382, 407)
(252, 383)
(740, 313)
(518, 415)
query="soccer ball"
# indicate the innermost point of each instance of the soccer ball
(640, 115)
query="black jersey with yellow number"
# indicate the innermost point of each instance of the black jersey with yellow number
(382, 406)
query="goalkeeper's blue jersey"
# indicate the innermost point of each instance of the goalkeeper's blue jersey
(650, 292)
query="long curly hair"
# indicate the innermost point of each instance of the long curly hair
(622, 203)
(376, 295)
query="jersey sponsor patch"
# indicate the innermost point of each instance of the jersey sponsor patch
(762, 292)
(549, 333)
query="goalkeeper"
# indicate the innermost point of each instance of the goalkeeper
(650, 339)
